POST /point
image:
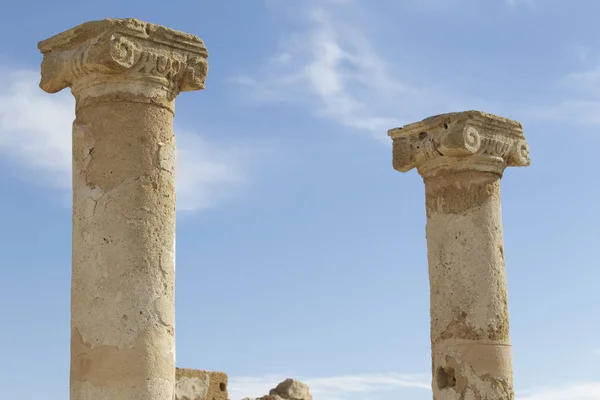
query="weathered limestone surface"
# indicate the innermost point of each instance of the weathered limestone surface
(461, 157)
(200, 385)
(125, 75)
(289, 389)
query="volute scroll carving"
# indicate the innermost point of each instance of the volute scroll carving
(123, 51)
(470, 140)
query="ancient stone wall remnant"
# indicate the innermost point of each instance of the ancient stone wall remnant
(195, 384)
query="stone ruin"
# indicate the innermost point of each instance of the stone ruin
(125, 75)
(192, 384)
(287, 390)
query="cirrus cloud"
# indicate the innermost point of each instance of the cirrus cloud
(35, 136)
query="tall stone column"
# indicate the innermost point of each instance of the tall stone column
(461, 157)
(125, 75)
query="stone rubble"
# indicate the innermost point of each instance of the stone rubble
(289, 389)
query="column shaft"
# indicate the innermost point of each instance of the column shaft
(125, 75)
(122, 303)
(462, 157)
(469, 314)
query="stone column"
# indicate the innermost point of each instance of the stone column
(125, 75)
(461, 157)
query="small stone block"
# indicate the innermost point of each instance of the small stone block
(193, 384)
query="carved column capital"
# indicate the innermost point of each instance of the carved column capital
(111, 56)
(467, 141)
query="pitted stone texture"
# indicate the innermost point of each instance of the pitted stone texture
(141, 61)
(200, 385)
(122, 311)
(125, 75)
(469, 306)
(462, 141)
(461, 157)
(289, 389)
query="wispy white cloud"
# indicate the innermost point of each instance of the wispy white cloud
(35, 136)
(347, 387)
(579, 92)
(392, 385)
(578, 112)
(570, 391)
(584, 82)
(35, 128)
(208, 173)
(575, 97)
(343, 387)
(330, 67)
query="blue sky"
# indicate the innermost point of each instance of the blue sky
(300, 251)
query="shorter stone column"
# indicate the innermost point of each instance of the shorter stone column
(461, 157)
